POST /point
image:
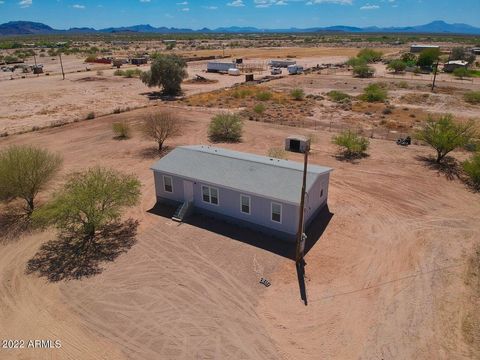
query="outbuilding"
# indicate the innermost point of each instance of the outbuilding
(450, 66)
(417, 48)
(259, 192)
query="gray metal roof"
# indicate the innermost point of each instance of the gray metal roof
(249, 173)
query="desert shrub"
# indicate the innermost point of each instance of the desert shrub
(118, 72)
(167, 72)
(461, 73)
(25, 171)
(241, 93)
(472, 97)
(337, 96)
(264, 95)
(277, 153)
(89, 201)
(297, 94)
(225, 127)
(387, 111)
(355, 61)
(90, 116)
(363, 71)
(409, 58)
(370, 55)
(121, 130)
(89, 59)
(397, 66)
(161, 126)
(446, 135)
(374, 93)
(352, 145)
(402, 85)
(259, 108)
(130, 73)
(472, 169)
(428, 57)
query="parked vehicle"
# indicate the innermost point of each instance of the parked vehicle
(295, 69)
(276, 71)
(404, 141)
(214, 66)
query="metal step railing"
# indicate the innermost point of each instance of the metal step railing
(182, 211)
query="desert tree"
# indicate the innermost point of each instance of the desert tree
(397, 65)
(160, 126)
(25, 171)
(445, 134)
(428, 57)
(352, 145)
(370, 55)
(363, 71)
(167, 72)
(225, 127)
(89, 201)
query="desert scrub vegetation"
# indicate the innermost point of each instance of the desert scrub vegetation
(472, 170)
(370, 55)
(166, 72)
(338, 96)
(225, 127)
(374, 93)
(130, 73)
(259, 108)
(277, 153)
(264, 95)
(24, 172)
(90, 116)
(121, 130)
(472, 97)
(297, 94)
(397, 66)
(351, 144)
(160, 126)
(363, 71)
(445, 134)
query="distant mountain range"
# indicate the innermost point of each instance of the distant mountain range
(435, 27)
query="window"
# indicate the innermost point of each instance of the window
(167, 183)
(245, 204)
(210, 195)
(276, 212)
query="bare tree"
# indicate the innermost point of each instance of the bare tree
(161, 126)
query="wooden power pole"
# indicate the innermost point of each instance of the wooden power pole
(300, 249)
(61, 64)
(435, 76)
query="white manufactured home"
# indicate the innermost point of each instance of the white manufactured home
(251, 190)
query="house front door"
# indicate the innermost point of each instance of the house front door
(188, 190)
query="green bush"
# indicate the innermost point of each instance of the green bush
(338, 96)
(374, 93)
(264, 95)
(297, 94)
(472, 97)
(461, 72)
(397, 66)
(118, 72)
(225, 127)
(241, 93)
(90, 116)
(363, 71)
(355, 61)
(428, 57)
(370, 55)
(259, 109)
(121, 130)
(352, 144)
(472, 169)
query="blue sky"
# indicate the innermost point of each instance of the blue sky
(195, 14)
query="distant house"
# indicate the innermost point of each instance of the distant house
(450, 66)
(476, 51)
(139, 61)
(417, 48)
(251, 190)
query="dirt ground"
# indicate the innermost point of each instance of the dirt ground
(384, 280)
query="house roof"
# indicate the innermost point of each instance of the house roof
(261, 175)
(457, 62)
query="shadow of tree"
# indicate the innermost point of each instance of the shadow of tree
(160, 95)
(351, 158)
(13, 223)
(153, 153)
(69, 257)
(448, 167)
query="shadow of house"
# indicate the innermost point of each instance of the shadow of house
(249, 236)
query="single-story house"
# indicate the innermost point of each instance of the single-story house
(417, 48)
(255, 191)
(450, 66)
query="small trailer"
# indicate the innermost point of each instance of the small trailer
(281, 63)
(234, 72)
(295, 69)
(214, 66)
(139, 61)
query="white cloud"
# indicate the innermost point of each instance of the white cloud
(77, 6)
(183, 3)
(268, 3)
(369, 7)
(25, 3)
(211, 7)
(145, 1)
(2, 2)
(340, 2)
(236, 3)
(186, 9)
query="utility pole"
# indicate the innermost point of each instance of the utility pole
(61, 64)
(435, 75)
(35, 60)
(300, 235)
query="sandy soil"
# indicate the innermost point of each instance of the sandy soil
(383, 281)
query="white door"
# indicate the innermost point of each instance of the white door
(188, 190)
